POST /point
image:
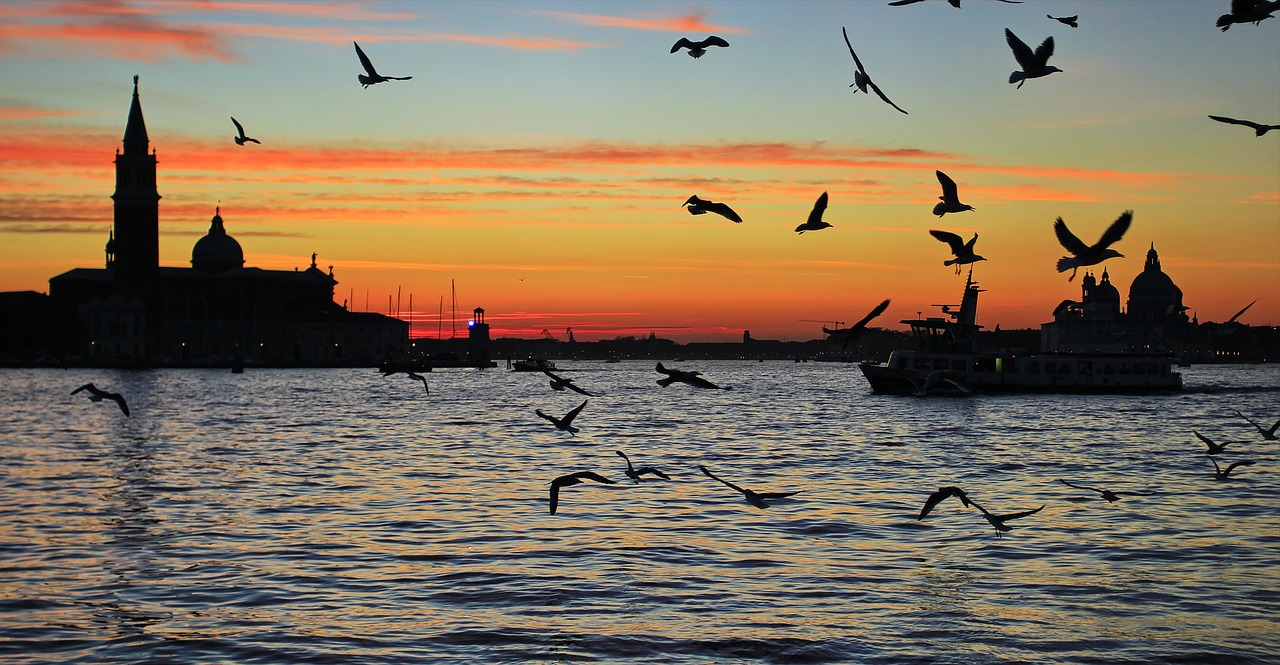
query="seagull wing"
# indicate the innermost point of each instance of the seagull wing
(238, 127)
(950, 193)
(549, 418)
(1207, 441)
(720, 480)
(1116, 231)
(1080, 487)
(877, 311)
(592, 475)
(714, 41)
(1237, 314)
(1068, 239)
(882, 96)
(1014, 516)
(724, 211)
(777, 495)
(819, 207)
(88, 386)
(955, 241)
(568, 417)
(650, 470)
(683, 43)
(1021, 52)
(1044, 51)
(1233, 465)
(364, 62)
(856, 62)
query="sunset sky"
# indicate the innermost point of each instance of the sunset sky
(539, 157)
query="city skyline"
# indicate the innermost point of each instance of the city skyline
(540, 154)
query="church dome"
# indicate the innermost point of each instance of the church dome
(216, 251)
(1153, 295)
(1106, 292)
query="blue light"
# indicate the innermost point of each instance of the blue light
(471, 323)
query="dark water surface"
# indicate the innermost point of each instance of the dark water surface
(336, 516)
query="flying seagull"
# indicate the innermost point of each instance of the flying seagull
(1066, 20)
(374, 76)
(1034, 65)
(856, 330)
(998, 521)
(418, 377)
(754, 498)
(1248, 11)
(1214, 448)
(963, 251)
(565, 422)
(860, 77)
(634, 473)
(1088, 255)
(950, 197)
(1106, 494)
(96, 395)
(1268, 433)
(1258, 128)
(698, 49)
(937, 497)
(572, 479)
(1224, 474)
(815, 223)
(242, 139)
(699, 206)
(561, 383)
(681, 376)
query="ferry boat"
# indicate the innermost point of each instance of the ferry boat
(945, 361)
(532, 364)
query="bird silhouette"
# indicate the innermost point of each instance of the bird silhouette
(1214, 448)
(561, 383)
(815, 223)
(698, 49)
(96, 395)
(961, 250)
(681, 376)
(634, 473)
(242, 139)
(373, 75)
(1106, 494)
(860, 77)
(756, 499)
(856, 330)
(1088, 255)
(1268, 433)
(1225, 474)
(418, 377)
(1248, 11)
(1034, 65)
(940, 495)
(998, 521)
(950, 197)
(1066, 20)
(1258, 128)
(939, 378)
(572, 479)
(699, 206)
(565, 423)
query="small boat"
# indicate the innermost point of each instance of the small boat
(945, 359)
(532, 364)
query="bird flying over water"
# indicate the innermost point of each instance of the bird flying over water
(565, 423)
(1268, 433)
(1088, 255)
(754, 498)
(950, 197)
(634, 473)
(242, 139)
(1214, 448)
(1066, 20)
(418, 377)
(949, 379)
(938, 496)
(998, 521)
(815, 223)
(681, 376)
(856, 330)
(96, 395)
(1258, 128)
(572, 479)
(699, 206)
(1248, 11)
(1106, 494)
(1225, 474)
(373, 75)
(698, 49)
(561, 383)
(860, 77)
(963, 251)
(1034, 65)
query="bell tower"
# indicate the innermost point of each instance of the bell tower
(136, 241)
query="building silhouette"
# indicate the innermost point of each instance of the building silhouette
(135, 312)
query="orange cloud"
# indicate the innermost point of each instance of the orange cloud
(128, 38)
(681, 23)
(19, 113)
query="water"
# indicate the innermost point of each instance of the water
(336, 516)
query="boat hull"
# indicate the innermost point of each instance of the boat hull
(907, 373)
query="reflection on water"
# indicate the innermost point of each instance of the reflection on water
(337, 516)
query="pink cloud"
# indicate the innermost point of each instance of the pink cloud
(693, 22)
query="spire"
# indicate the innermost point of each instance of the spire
(215, 224)
(135, 130)
(1153, 260)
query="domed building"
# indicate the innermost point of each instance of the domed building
(134, 311)
(1153, 297)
